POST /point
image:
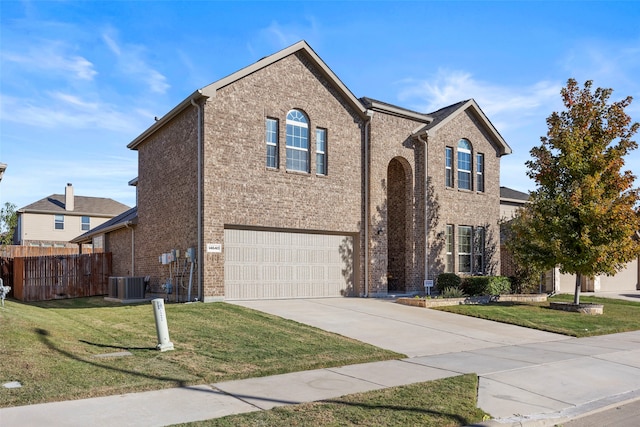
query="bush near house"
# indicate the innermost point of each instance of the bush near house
(486, 285)
(474, 285)
(447, 280)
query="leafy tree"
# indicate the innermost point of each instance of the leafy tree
(583, 215)
(8, 223)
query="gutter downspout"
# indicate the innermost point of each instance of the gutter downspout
(367, 127)
(199, 256)
(426, 208)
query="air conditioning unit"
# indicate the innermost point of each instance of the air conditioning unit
(126, 288)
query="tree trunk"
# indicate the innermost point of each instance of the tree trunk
(576, 295)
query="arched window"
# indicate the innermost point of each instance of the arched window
(297, 141)
(464, 164)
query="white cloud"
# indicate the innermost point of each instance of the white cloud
(52, 57)
(57, 110)
(500, 103)
(278, 36)
(132, 62)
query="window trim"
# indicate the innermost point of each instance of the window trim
(449, 262)
(86, 224)
(468, 233)
(58, 220)
(448, 167)
(272, 142)
(321, 153)
(294, 120)
(478, 249)
(468, 173)
(480, 172)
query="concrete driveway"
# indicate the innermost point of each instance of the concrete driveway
(526, 376)
(408, 330)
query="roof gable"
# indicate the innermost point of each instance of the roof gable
(210, 90)
(446, 114)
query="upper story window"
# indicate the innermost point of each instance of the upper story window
(271, 138)
(86, 223)
(59, 222)
(297, 141)
(464, 164)
(479, 172)
(448, 167)
(321, 151)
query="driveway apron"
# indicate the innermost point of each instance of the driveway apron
(525, 375)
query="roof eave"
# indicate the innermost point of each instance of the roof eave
(64, 212)
(503, 147)
(195, 96)
(398, 111)
(88, 237)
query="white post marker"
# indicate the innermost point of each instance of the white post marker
(164, 343)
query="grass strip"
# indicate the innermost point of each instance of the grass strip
(53, 348)
(618, 316)
(442, 403)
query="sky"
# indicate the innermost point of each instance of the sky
(79, 80)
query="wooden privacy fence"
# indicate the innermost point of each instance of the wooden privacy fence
(14, 251)
(63, 276)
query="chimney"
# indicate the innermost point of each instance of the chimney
(68, 197)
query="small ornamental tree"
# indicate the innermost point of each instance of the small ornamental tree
(8, 223)
(583, 215)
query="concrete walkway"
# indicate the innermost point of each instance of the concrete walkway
(527, 377)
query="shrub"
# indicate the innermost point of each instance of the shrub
(447, 280)
(499, 285)
(451, 292)
(475, 285)
(486, 285)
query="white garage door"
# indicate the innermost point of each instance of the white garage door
(276, 264)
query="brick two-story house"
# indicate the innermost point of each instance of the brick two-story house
(286, 185)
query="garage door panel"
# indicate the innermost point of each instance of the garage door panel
(269, 264)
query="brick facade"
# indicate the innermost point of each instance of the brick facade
(408, 203)
(241, 190)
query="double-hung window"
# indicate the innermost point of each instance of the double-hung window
(86, 223)
(480, 172)
(478, 250)
(464, 164)
(321, 151)
(449, 248)
(448, 167)
(59, 222)
(464, 248)
(271, 138)
(297, 141)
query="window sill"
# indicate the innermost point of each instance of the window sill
(301, 173)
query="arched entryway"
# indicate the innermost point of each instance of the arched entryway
(398, 181)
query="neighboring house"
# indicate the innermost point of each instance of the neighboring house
(627, 279)
(286, 185)
(57, 219)
(510, 201)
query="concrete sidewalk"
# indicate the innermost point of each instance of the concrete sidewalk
(527, 377)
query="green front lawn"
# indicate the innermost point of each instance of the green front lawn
(53, 348)
(618, 316)
(439, 403)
